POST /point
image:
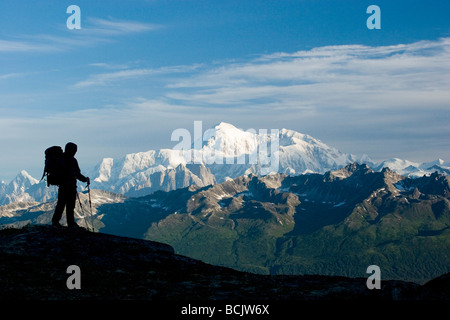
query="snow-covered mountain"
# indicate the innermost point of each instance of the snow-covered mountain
(15, 191)
(415, 169)
(146, 172)
(262, 152)
(18, 214)
(223, 152)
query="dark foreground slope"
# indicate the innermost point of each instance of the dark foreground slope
(34, 262)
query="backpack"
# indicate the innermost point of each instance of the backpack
(54, 166)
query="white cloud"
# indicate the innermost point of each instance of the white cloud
(117, 27)
(96, 31)
(11, 75)
(102, 79)
(388, 68)
(109, 65)
(25, 46)
(402, 76)
(390, 101)
(337, 92)
(105, 78)
(381, 100)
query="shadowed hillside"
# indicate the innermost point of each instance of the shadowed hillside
(34, 261)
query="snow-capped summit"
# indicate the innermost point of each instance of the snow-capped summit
(415, 169)
(438, 162)
(15, 190)
(229, 140)
(294, 152)
(301, 153)
(22, 181)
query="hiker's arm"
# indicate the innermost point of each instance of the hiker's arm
(82, 178)
(78, 174)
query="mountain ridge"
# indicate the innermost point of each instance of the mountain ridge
(35, 259)
(239, 152)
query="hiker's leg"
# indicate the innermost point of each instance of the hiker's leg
(59, 209)
(70, 206)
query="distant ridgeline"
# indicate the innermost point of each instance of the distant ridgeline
(335, 223)
(221, 153)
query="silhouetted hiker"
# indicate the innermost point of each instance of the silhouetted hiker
(67, 192)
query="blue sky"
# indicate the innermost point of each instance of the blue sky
(137, 70)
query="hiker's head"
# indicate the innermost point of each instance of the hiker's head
(71, 149)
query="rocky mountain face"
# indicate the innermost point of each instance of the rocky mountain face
(336, 223)
(20, 189)
(24, 188)
(35, 261)
(146, 172)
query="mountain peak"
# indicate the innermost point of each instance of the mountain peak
(22, 180)
(349, 170)
(25, 175)
(224, 126)
(228, 130)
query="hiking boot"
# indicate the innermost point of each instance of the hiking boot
(56, 225)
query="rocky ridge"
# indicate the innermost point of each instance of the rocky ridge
(34, 262)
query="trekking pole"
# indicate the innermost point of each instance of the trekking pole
(90, 207)
(84, 215)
